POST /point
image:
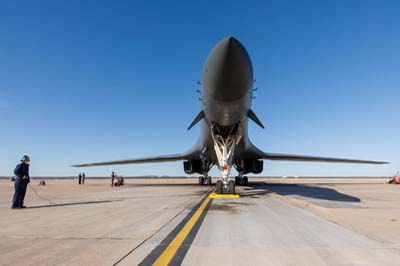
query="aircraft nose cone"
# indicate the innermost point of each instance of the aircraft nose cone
(228, 72)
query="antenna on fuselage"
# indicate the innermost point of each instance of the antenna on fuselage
(198, 83)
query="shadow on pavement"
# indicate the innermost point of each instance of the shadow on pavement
(71, 204)
(193, 184)
(315, 192)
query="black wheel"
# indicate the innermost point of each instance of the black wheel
(231, 187)
(245, 181)
(201, 180)
(218, 189)
(209, 181)
(237, 181)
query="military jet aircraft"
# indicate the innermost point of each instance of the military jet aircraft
(225, 108)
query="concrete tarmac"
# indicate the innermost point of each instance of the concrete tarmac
(274, 222)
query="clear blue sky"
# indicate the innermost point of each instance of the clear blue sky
(84, 81)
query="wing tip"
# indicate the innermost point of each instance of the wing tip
(76, 165)
(306, 158)
(370, 162)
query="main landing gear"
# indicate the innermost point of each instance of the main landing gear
(205, 180)
(241, 180)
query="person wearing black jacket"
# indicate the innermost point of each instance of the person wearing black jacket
(112, 178)
(21, 182)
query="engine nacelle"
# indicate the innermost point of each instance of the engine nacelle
(250, 166)
(193, 166)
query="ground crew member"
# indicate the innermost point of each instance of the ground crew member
(112, 178)
(79, 178)
(83, 178)
(21, 182)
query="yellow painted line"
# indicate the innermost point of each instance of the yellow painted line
(224, 196)
(173, 247)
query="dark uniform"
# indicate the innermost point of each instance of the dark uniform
(112, 179)
(21, 182)
(79, 179)
(83, 178)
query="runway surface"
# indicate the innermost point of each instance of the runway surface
(274, 222)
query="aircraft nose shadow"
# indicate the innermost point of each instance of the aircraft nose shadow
(308, 191)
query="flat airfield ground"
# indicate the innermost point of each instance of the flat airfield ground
(311, 221)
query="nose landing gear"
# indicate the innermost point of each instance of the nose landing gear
(224, 147)
(230, 188)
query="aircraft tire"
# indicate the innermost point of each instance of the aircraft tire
(209, 181)
(245, 181)
(231, 187)
(218, 188)
(201, 182)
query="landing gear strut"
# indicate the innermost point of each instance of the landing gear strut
(224, 146)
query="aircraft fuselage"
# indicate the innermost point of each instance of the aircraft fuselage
(226, 94)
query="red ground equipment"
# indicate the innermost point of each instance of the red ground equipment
(395, 180)
(120, 182)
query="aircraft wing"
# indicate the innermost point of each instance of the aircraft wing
(301, 158)
(152, 159)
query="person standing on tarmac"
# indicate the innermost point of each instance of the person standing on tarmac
(79, 178)
(21, 182)
(112, 178)
(83, 178)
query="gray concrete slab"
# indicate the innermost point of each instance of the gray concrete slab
(268, 231)
(275, 222)
(89, 225)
